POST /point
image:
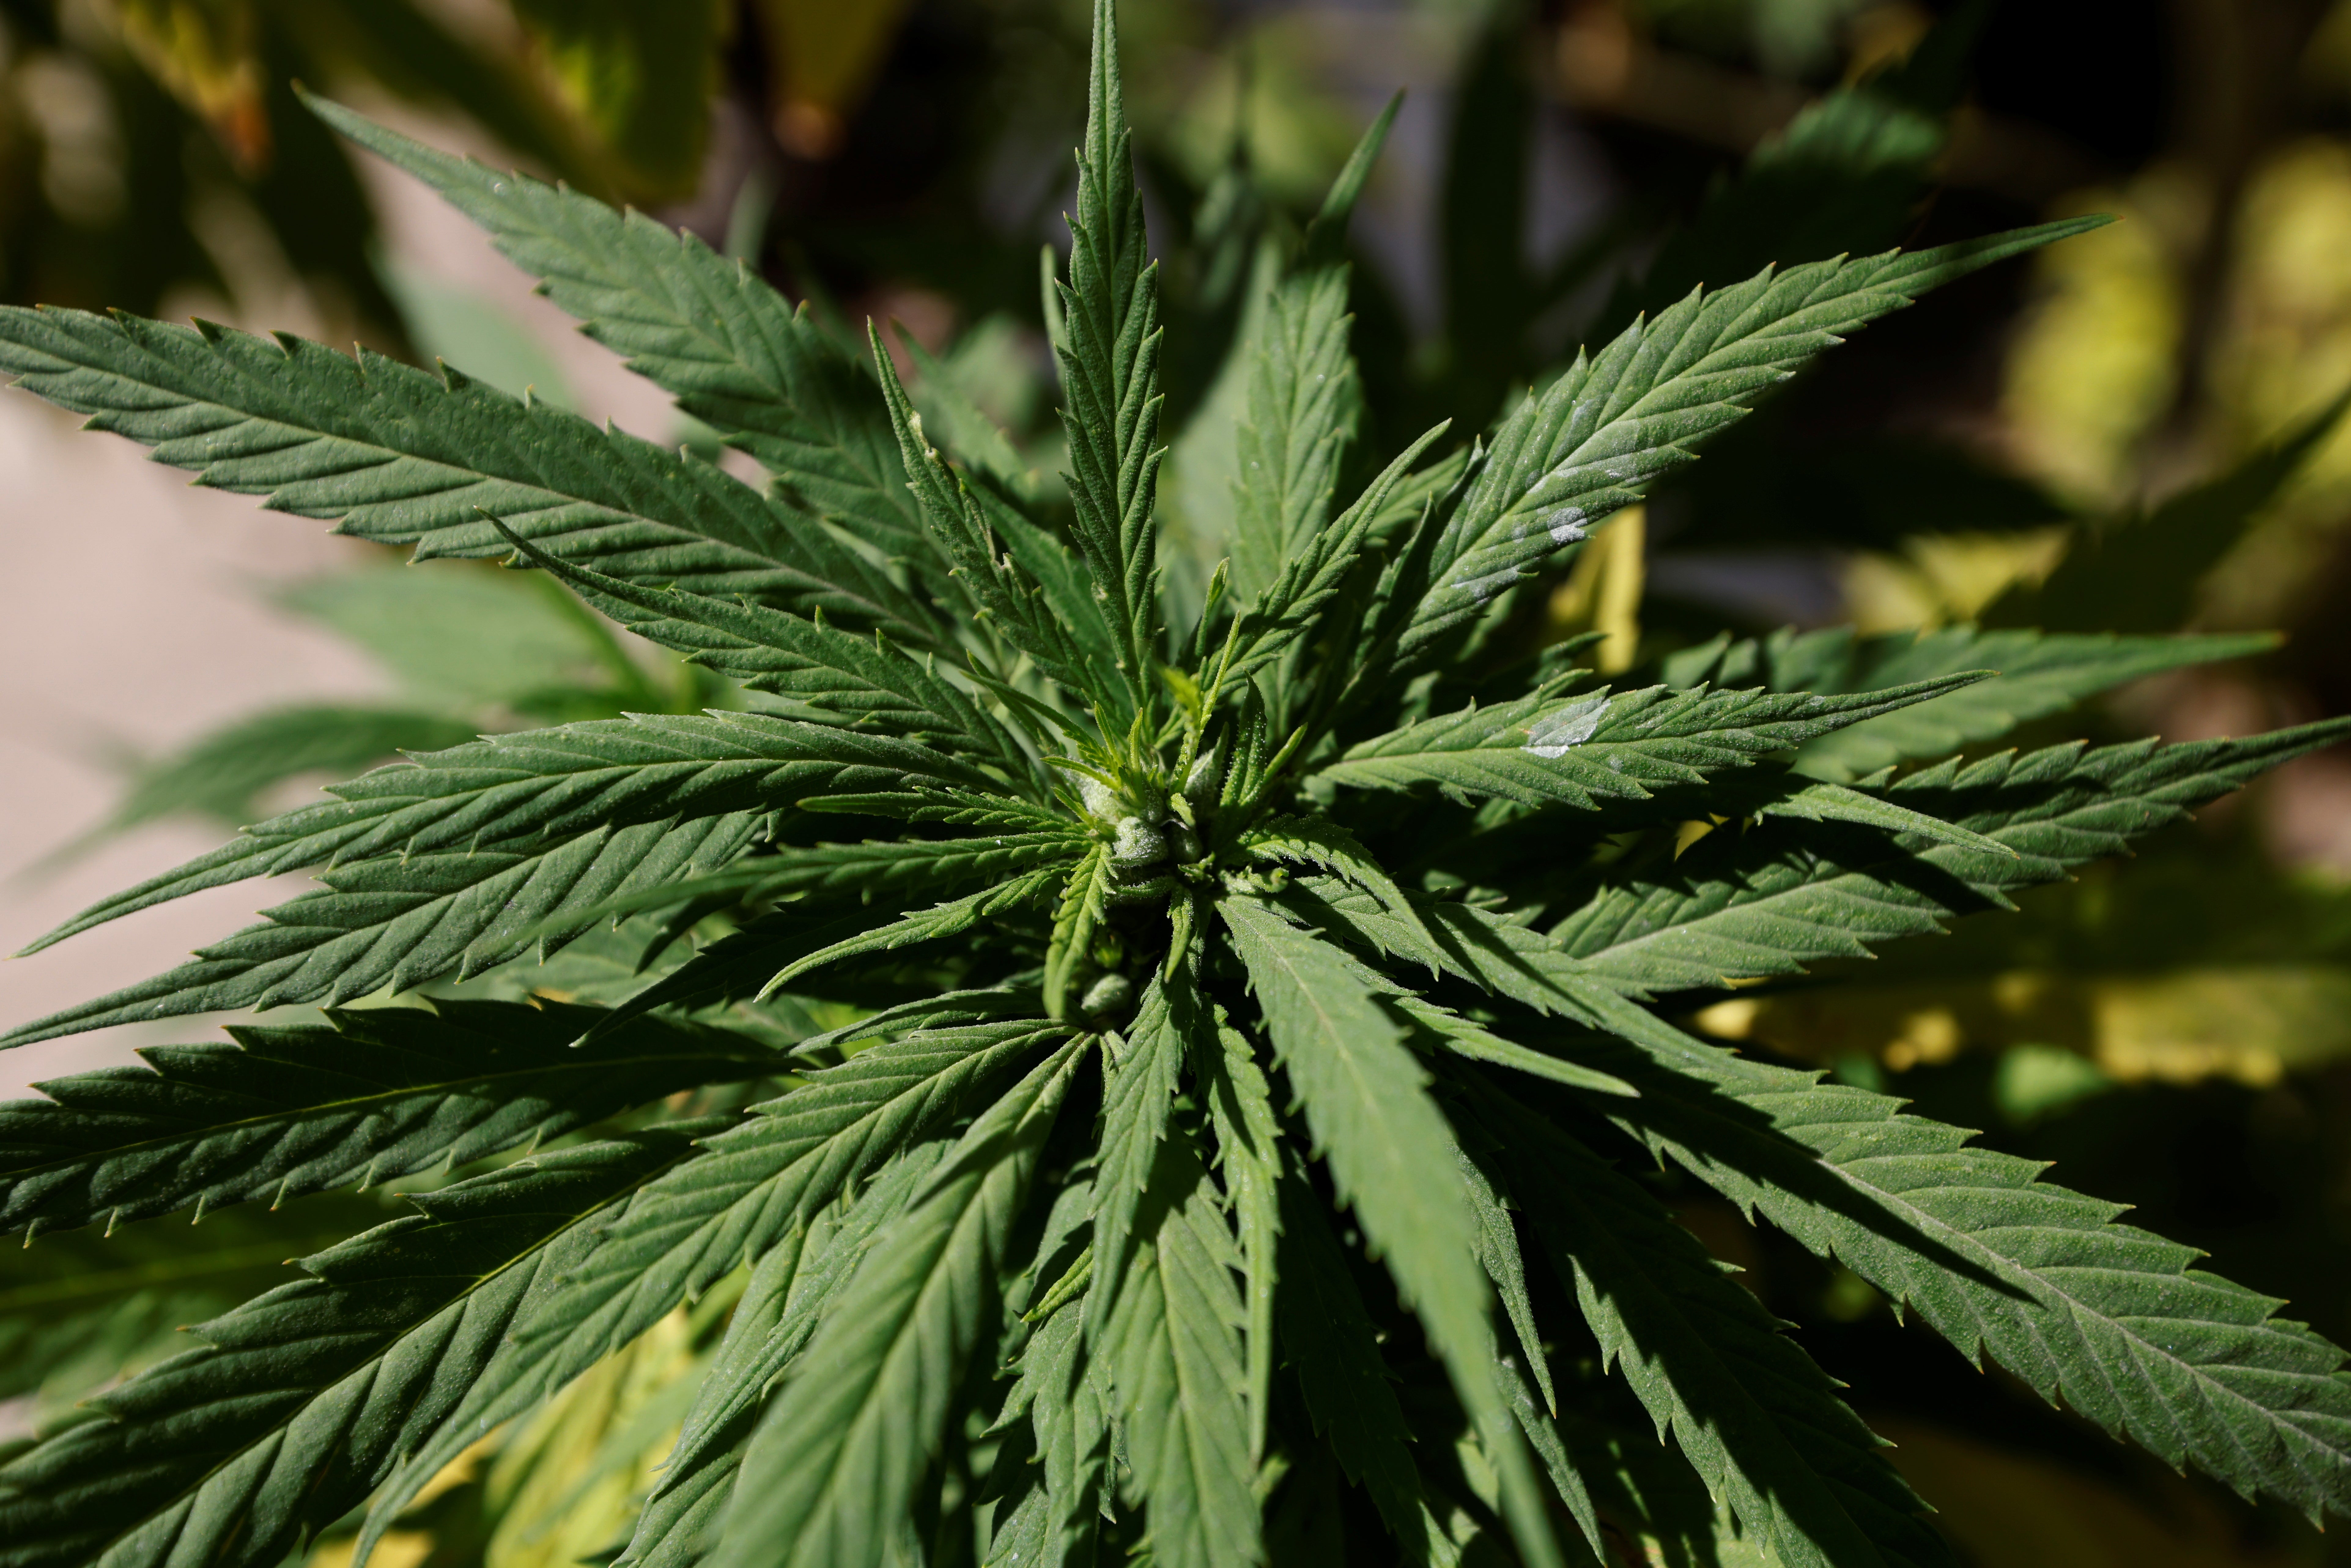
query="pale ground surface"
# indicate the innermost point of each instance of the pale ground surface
(138, 619)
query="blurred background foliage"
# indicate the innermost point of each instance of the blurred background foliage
(2139, 431)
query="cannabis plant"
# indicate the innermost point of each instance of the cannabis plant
(1241, 1055)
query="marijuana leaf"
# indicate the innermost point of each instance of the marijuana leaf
(1166, 992)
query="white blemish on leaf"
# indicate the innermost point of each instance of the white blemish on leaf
(1566, 525)
(1549, 737)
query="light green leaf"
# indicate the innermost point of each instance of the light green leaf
(947, 919)
(396, 924)
(834, 871)
(860, 680)
(1085, 898)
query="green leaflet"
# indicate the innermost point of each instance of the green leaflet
(832, 871)
(1771, 901)
(1520, 853)
(1021, 610)
(1068, 1405)
(653, 776)
(1757, 1419)
(1174, 1342)
(877, 864)
(1138, 1097)
(1304, 400)
(795, 1281)
(1048, 1476)
(735, 968)
(1085, 896)
(397, 923)
(1249, 1144)
(1999, 1262)
(748, 1188)
(83, 1309)
(832, 1468)
(984, 1004)
(930, 925)
(1310, 576)
(707, 329)
(1310, 841)
(1543, 750)
(2041, 673)
(1063, 587)
(302, 1400)
(1459, 1035)
(1543, 1437)
(1590, 443)
(369, 1096)
(1496, 1246)
(861, 680)
(1109, 354)
(1454, 939)
(1329, 1338)
(1497, 955)
(1767, 900)
(401, 457)
(1366, 1100)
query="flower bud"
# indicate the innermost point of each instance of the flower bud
(1207, 779)
(1113, 993)
(1138, 844)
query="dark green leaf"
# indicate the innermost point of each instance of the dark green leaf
(831, 1471)
(302, 1400)
(367, 1096)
